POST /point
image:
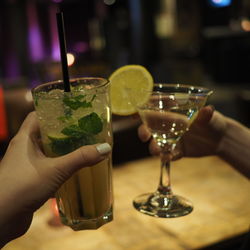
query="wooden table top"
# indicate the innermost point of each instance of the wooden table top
(221, 211)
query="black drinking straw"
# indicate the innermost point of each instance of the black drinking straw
(62, 42)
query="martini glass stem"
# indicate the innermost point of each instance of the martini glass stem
(165, 182)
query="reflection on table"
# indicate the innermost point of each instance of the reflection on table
(221, 211)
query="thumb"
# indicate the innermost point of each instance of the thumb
(82, 157)
(205, 115)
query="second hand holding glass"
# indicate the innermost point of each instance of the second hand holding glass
(168, 113)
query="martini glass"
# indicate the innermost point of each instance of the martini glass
(168, 113)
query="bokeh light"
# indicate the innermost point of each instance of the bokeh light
(70, 58)
(220, 3)
(109, 2)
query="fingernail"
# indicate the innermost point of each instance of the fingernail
(103, 148)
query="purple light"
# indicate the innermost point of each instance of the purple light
(55, 49)
(12, 66)
(34, 34)
(35, 44)
(57, 1)
(81, 47)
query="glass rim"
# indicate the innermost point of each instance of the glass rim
(203, 90)
(75, 79)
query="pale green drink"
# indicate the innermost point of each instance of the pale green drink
(69, 120)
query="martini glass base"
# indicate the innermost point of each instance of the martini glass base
(164, 206)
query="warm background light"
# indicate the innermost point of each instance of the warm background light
(70, 58)
(245, 24)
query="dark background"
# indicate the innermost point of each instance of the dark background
(193, 42)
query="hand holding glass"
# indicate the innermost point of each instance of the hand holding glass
(168, 113)
(69, 120)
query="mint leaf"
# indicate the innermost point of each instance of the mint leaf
(73, 131)
(91, 124)
(68, 115)
(79, 97)
(67, 144)
(77, 102)
(85, 104)
(62, 147)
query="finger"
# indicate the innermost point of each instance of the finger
(83, 157)
(30, 124)
(144, 133)
(205, 115)
(218, 122)
(154, 149)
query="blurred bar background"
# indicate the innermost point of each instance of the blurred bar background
(194, 42)
(199, 42)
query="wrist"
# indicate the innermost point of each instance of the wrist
(234, 146)
(231, 135)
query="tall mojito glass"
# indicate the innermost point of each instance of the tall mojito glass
(69, 120)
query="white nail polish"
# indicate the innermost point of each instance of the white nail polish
(103, 148)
